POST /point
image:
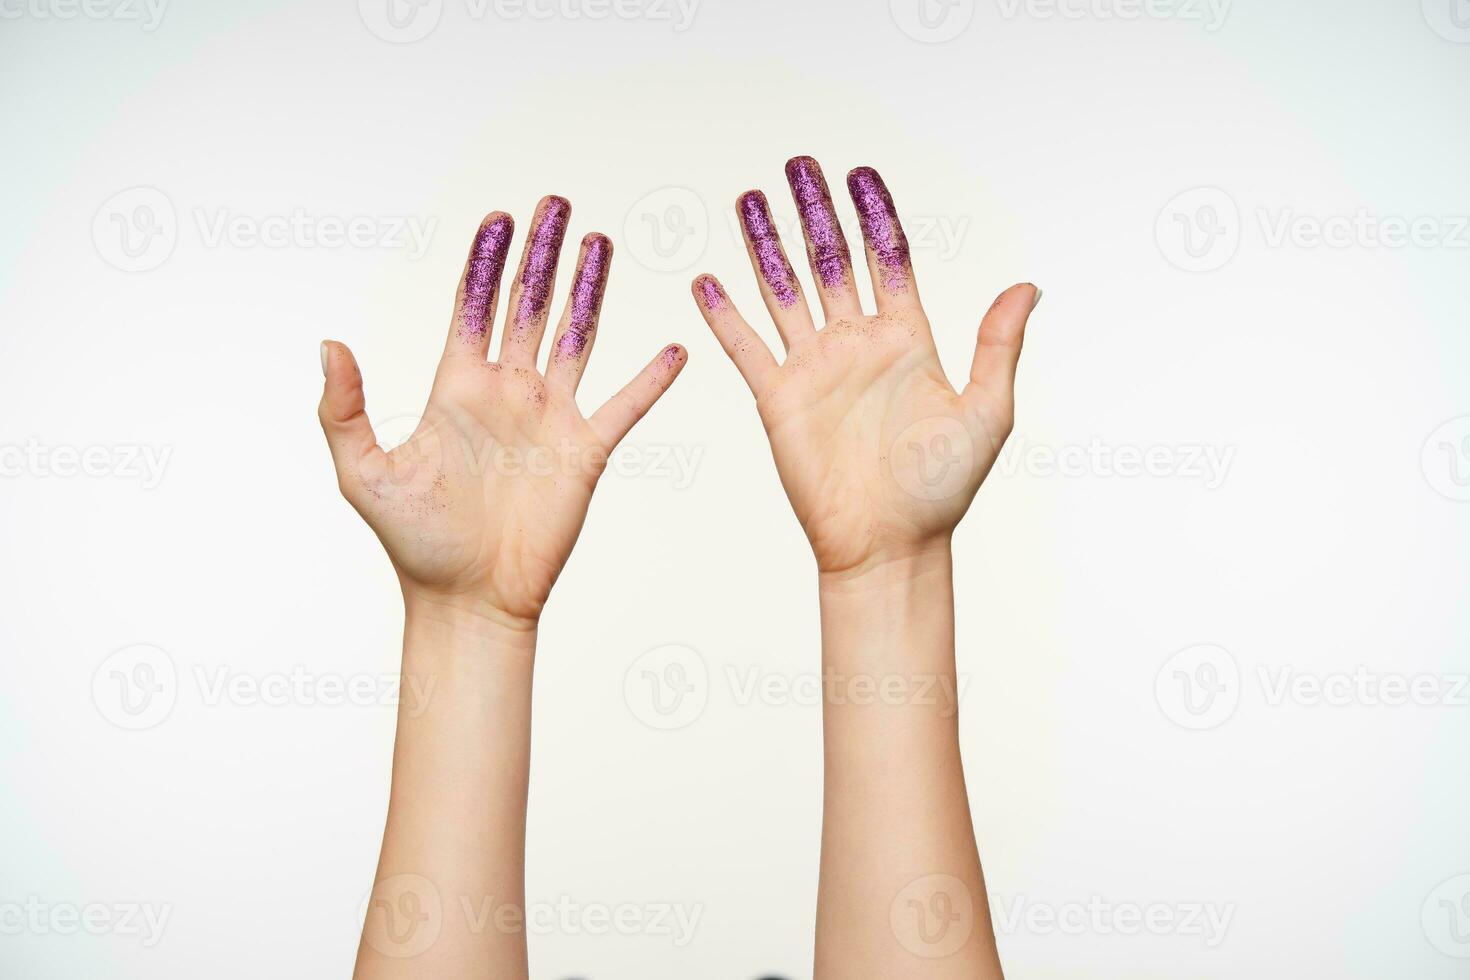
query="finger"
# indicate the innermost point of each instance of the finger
(530, 294)
(479, 289)
(886, 244)
(612, 421)
(826, 246)
(753, 359)
(779, 286)
(998, 348)
(573, 344)
(343, 414)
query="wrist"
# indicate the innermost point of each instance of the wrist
(893, 573)
(893, 615)
(466, 621)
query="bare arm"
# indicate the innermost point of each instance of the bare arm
(880, 458)
(478, 512)
(900, 876)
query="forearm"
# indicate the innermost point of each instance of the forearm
(901, 890)
(455, 837)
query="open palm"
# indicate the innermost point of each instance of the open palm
(484, 501)
(878, 453)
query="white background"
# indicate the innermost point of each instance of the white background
(1036, 143)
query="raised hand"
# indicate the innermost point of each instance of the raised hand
(878, 453)
(481, 507)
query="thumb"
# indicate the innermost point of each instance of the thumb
(343, 410)
(998, 348)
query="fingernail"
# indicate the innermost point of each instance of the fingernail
(324, 358)
(1037, 298)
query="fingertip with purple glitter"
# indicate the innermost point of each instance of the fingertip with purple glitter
(881, 228)
(760, 229)
(538, 269)
(483, 272)
(710, 293)
(587, 291)
(826, 245)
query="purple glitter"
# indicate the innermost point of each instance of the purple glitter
(711, 293)
(587, 290)
(881, 228)
(538, 268)
(826, 246)
(755, 217)
(482, 277)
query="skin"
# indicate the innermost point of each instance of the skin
(478, 512)
(881, 457)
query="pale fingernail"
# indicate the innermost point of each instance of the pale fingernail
(324, 358)
(1037, 298)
